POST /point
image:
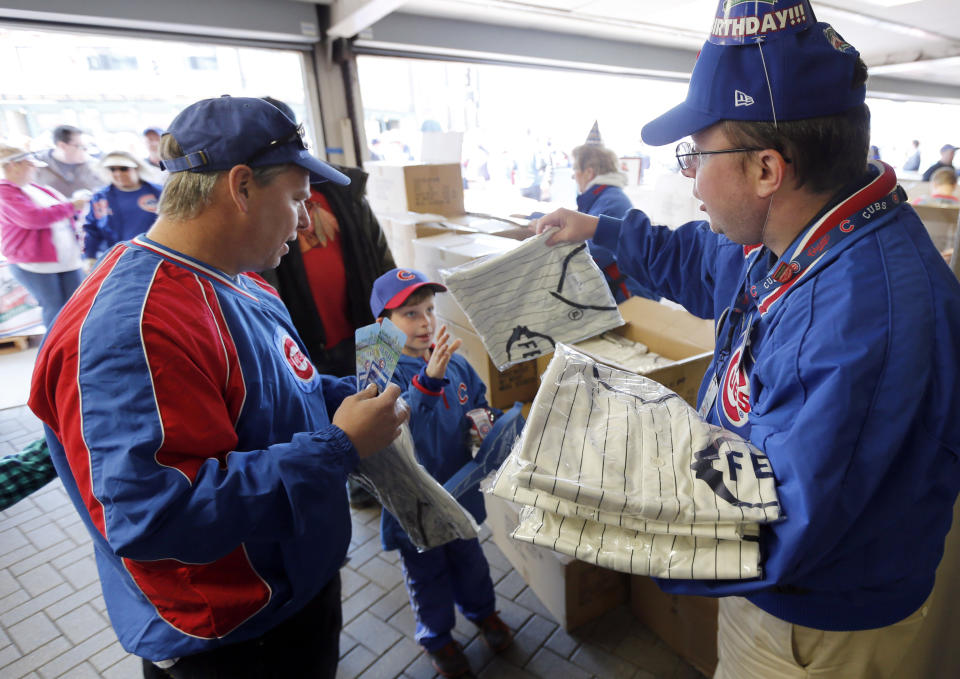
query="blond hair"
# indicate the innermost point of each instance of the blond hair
(186, 194)
(944, 176)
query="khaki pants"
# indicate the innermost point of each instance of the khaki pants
(753, 644)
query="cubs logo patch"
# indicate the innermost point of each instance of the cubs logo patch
(296, 362)
(735, 391)
(837, 42)
(462, 394)
(846, 226)
(405, 275)
(147, 203)
(101, 208)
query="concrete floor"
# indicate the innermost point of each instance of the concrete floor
(53, 621)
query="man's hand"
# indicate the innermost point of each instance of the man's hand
(442, 351)
(574, 226)
(370, 421)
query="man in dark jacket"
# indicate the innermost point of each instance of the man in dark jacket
(326, 279)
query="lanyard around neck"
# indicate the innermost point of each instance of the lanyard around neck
(864, 207)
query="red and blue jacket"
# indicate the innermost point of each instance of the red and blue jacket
(440, 428)
(844, 373)
(192, 434)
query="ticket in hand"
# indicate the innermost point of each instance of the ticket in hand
(378, 349)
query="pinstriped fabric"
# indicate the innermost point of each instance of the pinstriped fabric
(629, 551)
(614, 467)
(525, 300)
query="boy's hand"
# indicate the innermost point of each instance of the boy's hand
(370, 421)
(574, 226)
(442, 351)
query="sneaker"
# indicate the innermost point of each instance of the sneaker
(450, 660)
(495, 633)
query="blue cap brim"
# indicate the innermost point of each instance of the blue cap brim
(679, 122)
(319, 171)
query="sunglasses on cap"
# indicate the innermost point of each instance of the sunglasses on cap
(294, 137)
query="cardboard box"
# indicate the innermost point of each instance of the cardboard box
(401, 229)
(671, 333)
(489, 225)
(517, 383)
(687, 624)
(574, 592)
(435, 189)
(450, 250)
(940, 222)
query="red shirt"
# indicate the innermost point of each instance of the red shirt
(325, 271)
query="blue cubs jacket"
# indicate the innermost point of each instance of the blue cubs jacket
(117, 215)
(603, 199)
(844, 373)
(441, 431)
(192, 434)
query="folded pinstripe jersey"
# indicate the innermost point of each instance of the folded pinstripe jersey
(524, 301)
(505, 485)
(620, 352)
(621, 443)
(629, 551)
(618, 470)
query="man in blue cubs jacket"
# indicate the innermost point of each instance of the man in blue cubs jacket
(838, 337)
(204, 452)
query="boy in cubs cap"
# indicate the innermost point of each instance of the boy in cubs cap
(825, 290)
(444, 393)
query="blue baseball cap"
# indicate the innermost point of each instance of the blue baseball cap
(393, 288)
(153, 128)
(217, 134)
(764, 61)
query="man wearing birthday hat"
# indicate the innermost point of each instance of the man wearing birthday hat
(838, 337)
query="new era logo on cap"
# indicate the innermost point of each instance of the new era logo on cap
(742, 99)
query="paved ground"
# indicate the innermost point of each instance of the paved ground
(53, 621)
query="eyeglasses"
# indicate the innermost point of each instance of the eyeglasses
(295, 137)
(119, 169)
(688, 159)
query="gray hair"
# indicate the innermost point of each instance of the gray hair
(600, 158)
(186, 194)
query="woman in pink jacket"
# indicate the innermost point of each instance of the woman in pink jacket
(37, 233)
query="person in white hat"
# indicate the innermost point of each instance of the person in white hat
(121, 210)
(37, 232)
